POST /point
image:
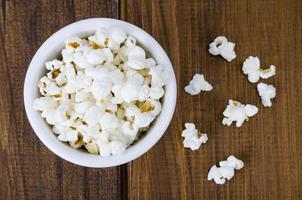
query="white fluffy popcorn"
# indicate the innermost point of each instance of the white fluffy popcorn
(251, 67)
(221, 46)
(192, 137)
(198, 84)
(266, 92)
(226, 170)
(103, 94)
(237, 112)
(137, 59)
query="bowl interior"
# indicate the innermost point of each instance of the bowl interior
(51, 49)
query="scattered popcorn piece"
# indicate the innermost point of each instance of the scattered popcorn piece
(192, 137)
(198, 84)
(237, 112)
(233, 162)
(226, 170)
(251, 67)
(266, 92)
(223, 47)
(104, 92)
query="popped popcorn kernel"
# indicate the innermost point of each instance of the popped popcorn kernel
(221, 46)
(237, 112)
(192, 137)
(266, 92)
(198, 84)
(251, 67)
(225, 171)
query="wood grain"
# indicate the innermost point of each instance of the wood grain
(270, 143)
(28, 169)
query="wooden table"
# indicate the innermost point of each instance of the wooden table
(270, 143)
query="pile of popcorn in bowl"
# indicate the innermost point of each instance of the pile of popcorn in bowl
(103, 93)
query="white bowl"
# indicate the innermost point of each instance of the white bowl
(51, 49)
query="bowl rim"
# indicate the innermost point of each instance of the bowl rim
(70, 154)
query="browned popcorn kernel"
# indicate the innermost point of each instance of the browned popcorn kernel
(55, 73)
(74, 44)
(57, 96)
(106, 42)
(95, 45)
(146, 106)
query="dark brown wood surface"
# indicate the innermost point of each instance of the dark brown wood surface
(270, 144)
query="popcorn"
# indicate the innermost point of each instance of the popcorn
(48, 87)
(145, 92)
(137, 59)
(101, 88)
(104, 148)
(98, 56)
(89, 132)
(120, 113)
(109, 121)
(54, 64)
(117, 77)
(130, 92)
(103, 93)
(143, 120)
(237, 112)
(111, 39)
(150, 106)
(156, 92)
(139, 118)
(266, 92)
(61, 113)
(192, 137)
(222, 46)
(198, 84)
(233, 162)
(45, 103)
(82, 107)
(72, 43)
(123, 53)
(251, 67)
(69, 136)
(129, 129)
(92, 147)
(80, 59)
(117, 96)
(47, 106)
(93, 115)
(77, 144)
(130, 42)
(82, 96)
(117, 147)
(226, 171)
(159, 75)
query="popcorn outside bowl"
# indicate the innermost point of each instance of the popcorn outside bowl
(51, 48)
